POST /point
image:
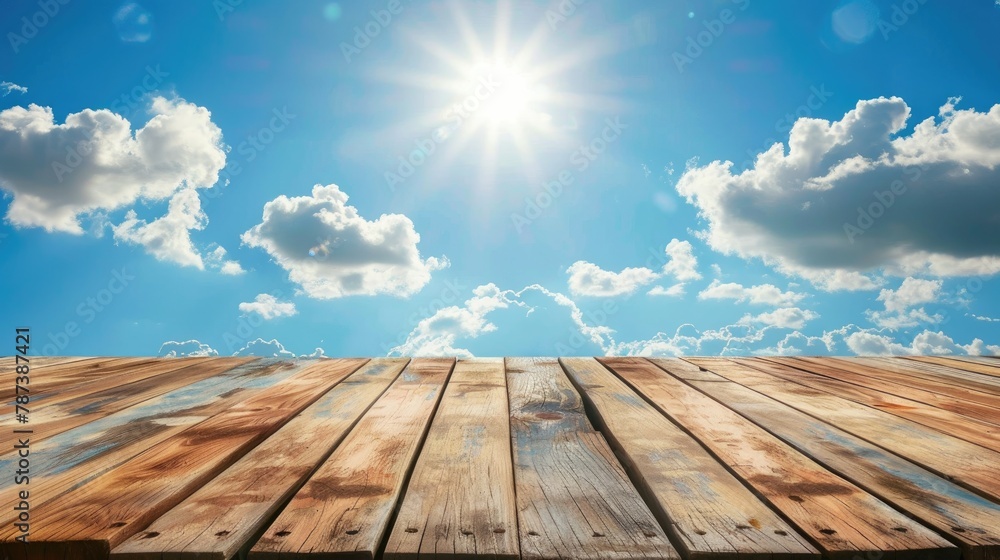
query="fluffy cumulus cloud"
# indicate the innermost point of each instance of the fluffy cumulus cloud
(587, 279)
(851, 200)
(784, 318)
(333, 252)
(677, 290)
(94, 162)
(189, 348)
(869, 343)
(168, 238)
(215, 258)
(264, 349)
(268, 307)
(764, 294)
(901, 309)
(682, 265)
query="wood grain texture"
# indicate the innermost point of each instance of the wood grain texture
(965, 518)
(460, 498)
(708, 511)
(940, 375)
(970, 429)
(103, 513)
(344, 509)
(962, 363)
(224, 516)
(50, 379)
(76, 405)
(842, 519)
(968, 464)
(70, 459)
(574, 499)
(937, 400)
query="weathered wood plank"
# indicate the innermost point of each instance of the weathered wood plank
(967, 519)
(970, 429)
(968, 464)
(893, 374)
(574, 499)
(939, 374)
(52, 378)
(842, 519)
(972, 364)
(76, 405)
(345, 508)
(707, 510)
(460, 498)
(222, 517)
(835, 370)
(103, 513)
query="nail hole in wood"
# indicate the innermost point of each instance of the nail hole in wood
(533, 533)
(467, 533)
(742, 526)
(699, 532)
(648, 534)
(283, 533)
(900, 529)
(222, 533)
(958, 529)
(828, 531)
(352, 532)
(151, 535)
(780, 532)
(596, 534)
(795, 498)
(118, 524)
(499, 531)
(411, 530)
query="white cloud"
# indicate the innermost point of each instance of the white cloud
(264, 349)
(190, 348)
(94, 163)
(587, 279)
(799, 211)
(783, 318)
(9, 87)
(677, 290)
(900, 304)
(268, 307)
(317, 353)
(764, 294)
(928, 342)
(216, 258)
(682, 264)
(332, 252)
(984, 318)
(169, 237)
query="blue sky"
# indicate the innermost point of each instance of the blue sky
(501, 178)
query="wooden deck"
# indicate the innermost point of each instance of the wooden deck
(607, 458)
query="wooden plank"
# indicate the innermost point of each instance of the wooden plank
(835, 370)
(961, 363)
(74, 373)
(224, 516)
(70, 459)
(893, 374)
(842, 519)
(965, 518)
(706, 510)
(987, 365)
(350, 499)
(103, 513)
(574, 499)
(460, 498)
(78, 404)
(968, 464)
(970, 429)
(940, 374)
